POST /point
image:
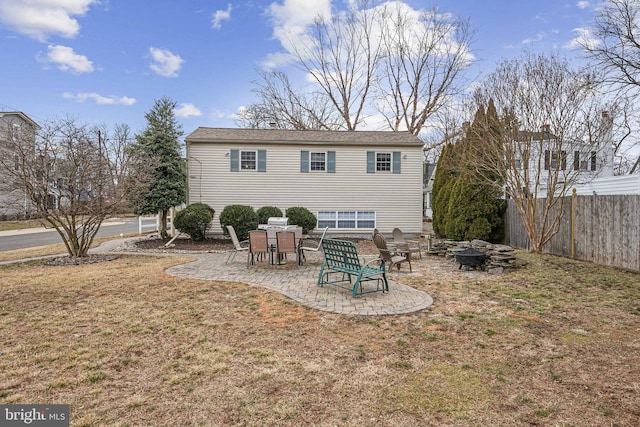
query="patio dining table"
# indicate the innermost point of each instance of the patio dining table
(272, 231)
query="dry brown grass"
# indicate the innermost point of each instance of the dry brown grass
(41, 251)
(20, 224)
(125, 344)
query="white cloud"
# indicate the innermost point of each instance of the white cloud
(164, 63)
(298, 13)
(187, 110)
(99, 99)
(219, 16)
(291, 18)
(276, 60)
(39, 19)
(537, 38)
(584, 38)
(583, 4)
(67, 60)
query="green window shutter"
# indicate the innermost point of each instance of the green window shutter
(235, 160)
(371, 162)
(262, 160)
(396, 157)
(304, 161)
(331, 161)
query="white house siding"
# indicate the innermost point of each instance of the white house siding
(396, 198)
(611, 185)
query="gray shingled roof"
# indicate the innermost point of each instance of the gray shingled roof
(203, 134)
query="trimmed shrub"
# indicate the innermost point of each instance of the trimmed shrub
(266, 212)
(194, 220)
(302, 217)
(243, 219)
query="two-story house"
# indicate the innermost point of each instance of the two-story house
(16, 130)
(579, 164)
(352, 181)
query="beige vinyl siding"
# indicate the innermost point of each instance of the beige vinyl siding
(395, 198)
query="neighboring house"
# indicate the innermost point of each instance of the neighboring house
(429, 175)
(14, 127)
(575, 162)
(352, 181)
(610, 185)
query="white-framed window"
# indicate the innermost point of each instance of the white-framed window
(248, 160)
(383, 162)
(347, 219)
(318, 162)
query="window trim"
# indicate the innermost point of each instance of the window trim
(386, 165)
(329, 161)
(324, 161)
(336, 219)
(255, 160)
(396, 162)
(235, 158)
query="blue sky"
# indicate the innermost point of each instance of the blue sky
(105, 61)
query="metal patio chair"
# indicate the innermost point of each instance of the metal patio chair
(238, 246)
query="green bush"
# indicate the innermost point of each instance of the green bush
(194, 220)
(266, 212)
(242, 218)
(302, 217)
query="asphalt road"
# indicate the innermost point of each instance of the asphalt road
(32, 237)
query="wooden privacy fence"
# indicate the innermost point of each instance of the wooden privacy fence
(601, 229)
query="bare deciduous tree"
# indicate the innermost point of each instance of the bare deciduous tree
(613, 46)
(387, 59)
(66, 177)
(548, 133)
(615, 42)
(422, 59)
(116, 145)
(448, 124)
(340, 54)
(285, 107)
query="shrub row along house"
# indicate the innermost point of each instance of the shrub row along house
(352, 181)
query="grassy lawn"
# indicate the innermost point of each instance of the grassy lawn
(555, 343)
(19, 225)
(39, 251)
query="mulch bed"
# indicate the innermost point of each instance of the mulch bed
(364, 246)
(89, 259)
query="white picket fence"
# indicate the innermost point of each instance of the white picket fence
(151, 223)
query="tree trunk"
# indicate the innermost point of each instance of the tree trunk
(163, 224)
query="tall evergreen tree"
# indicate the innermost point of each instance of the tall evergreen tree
(158, 180)
(443, 182)
(475, 208)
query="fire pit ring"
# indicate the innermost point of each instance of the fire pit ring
(470, 258)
